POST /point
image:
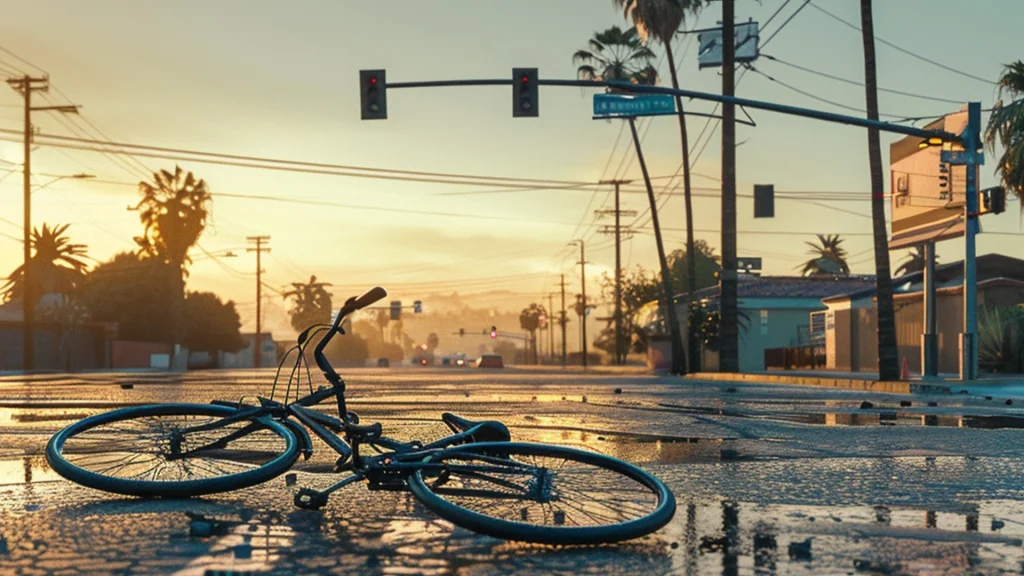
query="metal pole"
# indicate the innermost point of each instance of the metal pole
(551, 324)
(259, 249)
(28, 301)
(969, 338)
(618, 278)
(929, 340)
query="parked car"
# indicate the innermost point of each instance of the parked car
(383, 363)
(490, 361)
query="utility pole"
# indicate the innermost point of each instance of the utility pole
(728, 327)
(26, 85)
(551, 323)
(618, 261)
(257, 350)
(563, 320)
(583, 283)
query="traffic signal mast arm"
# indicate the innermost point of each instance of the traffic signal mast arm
(629, 88)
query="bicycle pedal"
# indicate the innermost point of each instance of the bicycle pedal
(309, 499)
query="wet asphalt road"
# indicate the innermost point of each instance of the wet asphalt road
(769, 479)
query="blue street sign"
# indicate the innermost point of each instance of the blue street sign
(959, 157)
(613, 105)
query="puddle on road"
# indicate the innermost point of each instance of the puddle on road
(26, 470)
(638, 449)
(908, 419)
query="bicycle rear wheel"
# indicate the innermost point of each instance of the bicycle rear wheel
(542, 493)
(142, 451)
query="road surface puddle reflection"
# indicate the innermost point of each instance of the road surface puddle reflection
(741, 537)
(635, 448)
(26, 470)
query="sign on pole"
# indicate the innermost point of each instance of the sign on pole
(710, 41)
(622, 105)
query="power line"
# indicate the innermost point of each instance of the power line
(855, 83)
(904, 50)
(20, 59)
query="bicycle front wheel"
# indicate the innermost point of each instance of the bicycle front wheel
(150, 451)
(542, 493)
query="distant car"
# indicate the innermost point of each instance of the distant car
(446, 361)
(383, 363)
(460, 362)
(490, 361)
(420, 361)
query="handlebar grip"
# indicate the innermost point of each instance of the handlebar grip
(371, 296)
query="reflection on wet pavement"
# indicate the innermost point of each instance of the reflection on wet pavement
(26, 469)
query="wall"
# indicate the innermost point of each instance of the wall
(780, 330)
(128, 354)
(84, 348)
(244, 358)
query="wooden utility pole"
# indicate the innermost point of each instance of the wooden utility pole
(617, 231)
(26, 85)
(562, 321)
(728, 327)
(259, 249)
(583, 295)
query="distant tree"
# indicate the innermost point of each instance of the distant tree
(616, 54)
(706, 265)
(211, 325)
(529, 320)
(913, 262)
(134, 293)
(57, 265)
(828, 257)
(173, 212)
(1006, 126)
(311, 303)
(432, 342)
(349, 349)
(638, 288)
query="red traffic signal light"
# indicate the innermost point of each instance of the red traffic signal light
(494, 332)
(373, 94)
(524, 92)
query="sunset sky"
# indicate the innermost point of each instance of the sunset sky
(280, 80)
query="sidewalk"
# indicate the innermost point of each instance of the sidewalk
(1000, 384)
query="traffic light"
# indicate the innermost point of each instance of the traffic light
(396, 309)
(944, 190)
(494, 332)
(373, 94)
(417, 307)
(764, 200)
(992, 200)
(524, 92)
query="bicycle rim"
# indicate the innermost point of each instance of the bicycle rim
(542, 493)
(139, 451)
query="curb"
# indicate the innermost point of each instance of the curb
(892, 387)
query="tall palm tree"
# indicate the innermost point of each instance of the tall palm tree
(312, 303)
(661, 20)
(888, 359)
(173, 212)
(828, 257)
(616, 54)
(529, 320)
(57, 265)
(913, 262)
(1006, 124)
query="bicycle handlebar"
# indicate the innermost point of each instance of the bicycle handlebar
(351, 305)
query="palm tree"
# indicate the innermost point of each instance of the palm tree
(173, 211)
(888, 360)
(829, 257)
(661, 20)
(913, 262)
(57, 265)
(383, 317)
(1007, 125)
(616, 54)
(529, 320)
(312, 303)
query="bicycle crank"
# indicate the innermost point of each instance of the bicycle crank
(310, 499)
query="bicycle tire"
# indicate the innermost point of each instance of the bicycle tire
(594, 467)
(76, 472)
